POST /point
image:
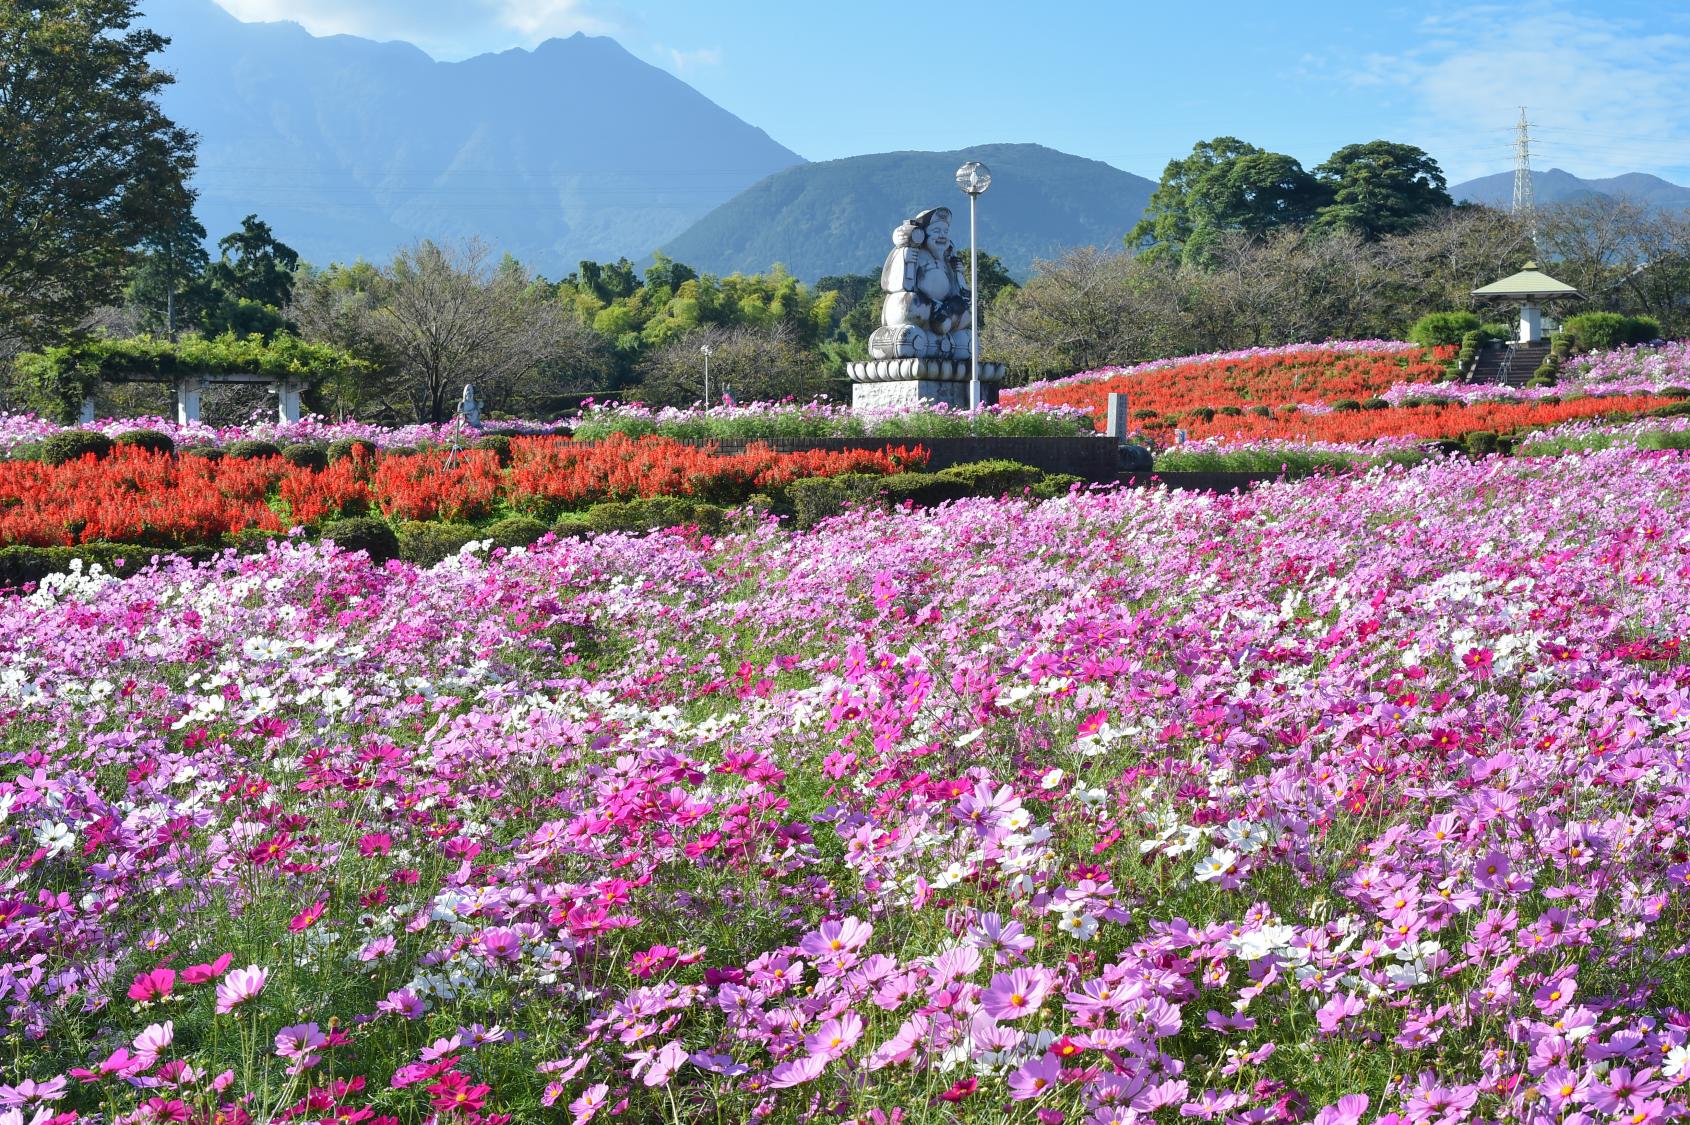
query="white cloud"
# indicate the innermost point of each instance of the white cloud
(681, 62)
(446, 29)
(1605, 95)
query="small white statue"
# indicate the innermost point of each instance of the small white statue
(927, 297)
(469, 407)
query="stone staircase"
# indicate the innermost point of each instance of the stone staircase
(1511, 365)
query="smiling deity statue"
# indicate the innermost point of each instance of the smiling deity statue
(926, 306)
(920, 352)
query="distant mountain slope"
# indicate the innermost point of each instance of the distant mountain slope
(1557, 186)
(836, 216)
(351, 148)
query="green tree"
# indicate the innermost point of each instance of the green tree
(994, 279)
(1381, 188)
(89, 164)
(167, 287)
(1169, 219)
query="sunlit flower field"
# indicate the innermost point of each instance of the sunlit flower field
(1349, 800)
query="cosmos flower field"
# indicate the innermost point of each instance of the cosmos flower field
(1349, 800)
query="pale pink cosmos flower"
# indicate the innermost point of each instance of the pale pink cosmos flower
(1346, 1111)
(239, 987)
(589, 1103)
(1015, 994)
(151, 1043)
(1035, 1079)
(836, 1036)
(299, 1040)
(846, 935)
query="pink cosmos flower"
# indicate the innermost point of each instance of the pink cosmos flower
(836, 1036)
(402, 1002)
(239, 987)
(589, 1103)
(200, 974)
(29, 1091)
(1621, 1090)
(845, 935)
(152, 1042)
(299, 1040)
(1015, 994)
(153, 986)
(308, 917)
(797, 1071)
(1336, 1010)
(1346, 1111)
(1554, 997)
(1035, 1078)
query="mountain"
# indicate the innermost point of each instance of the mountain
(836, 216)
(351, 148)
(1557, 186)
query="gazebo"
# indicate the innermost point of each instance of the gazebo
(1530, 288)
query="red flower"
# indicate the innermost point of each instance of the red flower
(961, 1090)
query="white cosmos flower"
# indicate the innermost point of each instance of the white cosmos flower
(1216, 864)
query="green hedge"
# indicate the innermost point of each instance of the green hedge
(1442, 329)
(1593, 331)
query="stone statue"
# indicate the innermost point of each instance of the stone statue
(926, 309)
(469, 407)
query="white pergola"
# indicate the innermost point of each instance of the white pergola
(1529, 288)
(190, 389)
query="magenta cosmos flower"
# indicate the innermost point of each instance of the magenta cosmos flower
(830, 939)
(1015, 994)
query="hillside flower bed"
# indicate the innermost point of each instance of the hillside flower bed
(824, 419)
(137, 496)
(1353, 801)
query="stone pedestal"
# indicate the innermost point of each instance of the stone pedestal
(883, 384)
(189, 390)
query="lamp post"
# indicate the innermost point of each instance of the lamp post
(704, 351)
(973, 178)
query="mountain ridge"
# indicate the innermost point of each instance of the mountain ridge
(836, 216)
(350, 147)
(1560, 186)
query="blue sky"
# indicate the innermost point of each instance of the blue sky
(1607, 83)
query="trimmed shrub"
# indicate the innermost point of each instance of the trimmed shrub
(993, 478)
(1481, 442)
(1145, 414)
(571, 525)
(1375, 403)
(1674, 392)
(1541, 381)
(426, 542)
(28, 451)
(1664, 439)
(306, 455)
(256, 541)
(20, 564)
(249, 449)
(815, 499)
(515, 531)
(1262, 411)
(651, 513)
(924, 490)
(1595, 330)
(1346, 405)
(1231, 411)
(362, 533)
(1675, 410)
(1548, 369)
(72, 445)
(151, 440)
(498, 443)
(400, 451)
(209, 452)
(1206, 413)
(1495, 331)
(342, 448)
(1056, 484)
(1443, 328)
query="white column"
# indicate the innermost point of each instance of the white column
(188, 392)
(86, 415)
(1531, 324)
(287, 400)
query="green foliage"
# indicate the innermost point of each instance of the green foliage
(306, 455)
(1481, 442)
(498, 444)
(1375, 403)
(1381, 188)
(1675, 410)
(651, 513)
(1674, 392)
(151, 440)
(924, 490)
(993, 478)
(249, 449)
(73, 445)
(342, 448)
(89, 164)
(1442, 329)
(1056, 484)
(54, 381)
(515, 531)
(20, 565)
(427, 542)
(1664, 439)
(1593, 331)
(1288, 461)
(815, 499)
(1346, 405)
(209, 452)
(28, 451)
(363, 533)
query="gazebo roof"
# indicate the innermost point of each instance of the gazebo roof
(1529, 282)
